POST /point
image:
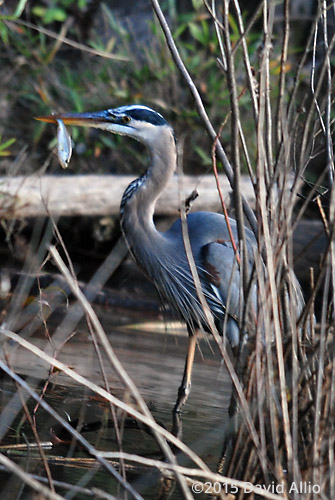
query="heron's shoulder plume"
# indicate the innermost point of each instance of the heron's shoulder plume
(131, 189)
(143, 113)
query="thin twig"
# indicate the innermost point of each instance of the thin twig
(66, 425)
(118, 366)
(200, 107)
(67, 41)
(28, 479)
(186, 471)
(223, 204)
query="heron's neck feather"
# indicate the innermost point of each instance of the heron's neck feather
(139, 199)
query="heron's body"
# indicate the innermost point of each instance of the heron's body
(162, 255)
(170, 270)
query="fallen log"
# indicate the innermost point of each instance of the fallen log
(73, 195)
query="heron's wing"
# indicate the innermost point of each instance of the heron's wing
(222, 277)
(222, 273)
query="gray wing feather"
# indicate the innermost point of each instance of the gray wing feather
(223, 276)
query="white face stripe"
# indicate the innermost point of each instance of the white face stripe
(124, 109)
(146, 125)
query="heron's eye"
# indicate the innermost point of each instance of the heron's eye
(126, 119)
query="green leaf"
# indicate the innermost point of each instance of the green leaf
(82, 4)
(4, 33)
(38, 11)
(54, 14)
(206, 160)
(234, 27)
(196, 32)
(20, 8)
(197, 4)
(179, 31)
(5, 145)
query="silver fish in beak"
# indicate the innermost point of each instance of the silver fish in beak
(64, 144)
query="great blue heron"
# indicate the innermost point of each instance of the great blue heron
(162, 255)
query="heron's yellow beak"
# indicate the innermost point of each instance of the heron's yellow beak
(81, 119)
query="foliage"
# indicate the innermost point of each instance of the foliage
(49, 79)
(3, 146)
(58, 11)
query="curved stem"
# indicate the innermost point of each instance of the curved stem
(201, 109)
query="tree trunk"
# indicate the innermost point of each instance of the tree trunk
(101, 195)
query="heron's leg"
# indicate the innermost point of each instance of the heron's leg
(185, 386)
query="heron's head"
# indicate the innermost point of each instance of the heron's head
(136, 121)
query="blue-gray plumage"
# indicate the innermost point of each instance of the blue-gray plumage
(162, 255)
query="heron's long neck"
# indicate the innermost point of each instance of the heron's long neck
(139, 199)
